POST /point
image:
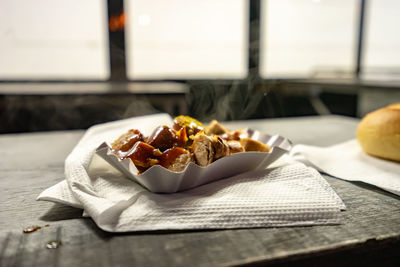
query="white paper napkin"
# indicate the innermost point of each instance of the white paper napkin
(283, 196)
(347, 161)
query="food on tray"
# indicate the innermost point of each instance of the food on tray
(379, 133)
(216, 128)
(187, 141)
(207, 148)
(126, 141)
(253, 145)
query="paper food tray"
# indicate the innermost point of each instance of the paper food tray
(158, 179)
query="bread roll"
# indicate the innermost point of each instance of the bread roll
(379, 133)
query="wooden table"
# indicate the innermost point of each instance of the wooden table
(29, 163)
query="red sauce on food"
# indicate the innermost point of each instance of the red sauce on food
(143, 154)
(162, 138)
(170, 155)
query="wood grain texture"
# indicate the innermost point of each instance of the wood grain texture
(370, 228)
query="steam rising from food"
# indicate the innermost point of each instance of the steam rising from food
(236, 100)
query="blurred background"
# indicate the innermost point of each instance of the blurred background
(72, 64)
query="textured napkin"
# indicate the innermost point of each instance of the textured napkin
(347, 161)
(287, 195)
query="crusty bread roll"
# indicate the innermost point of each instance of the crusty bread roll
(379, 133)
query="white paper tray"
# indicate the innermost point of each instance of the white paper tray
(158, 179)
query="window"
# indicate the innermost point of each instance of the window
(53, 40)
(306, 38)
(184, 39)
(382, 40)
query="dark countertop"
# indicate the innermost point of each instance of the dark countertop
(369, 235)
